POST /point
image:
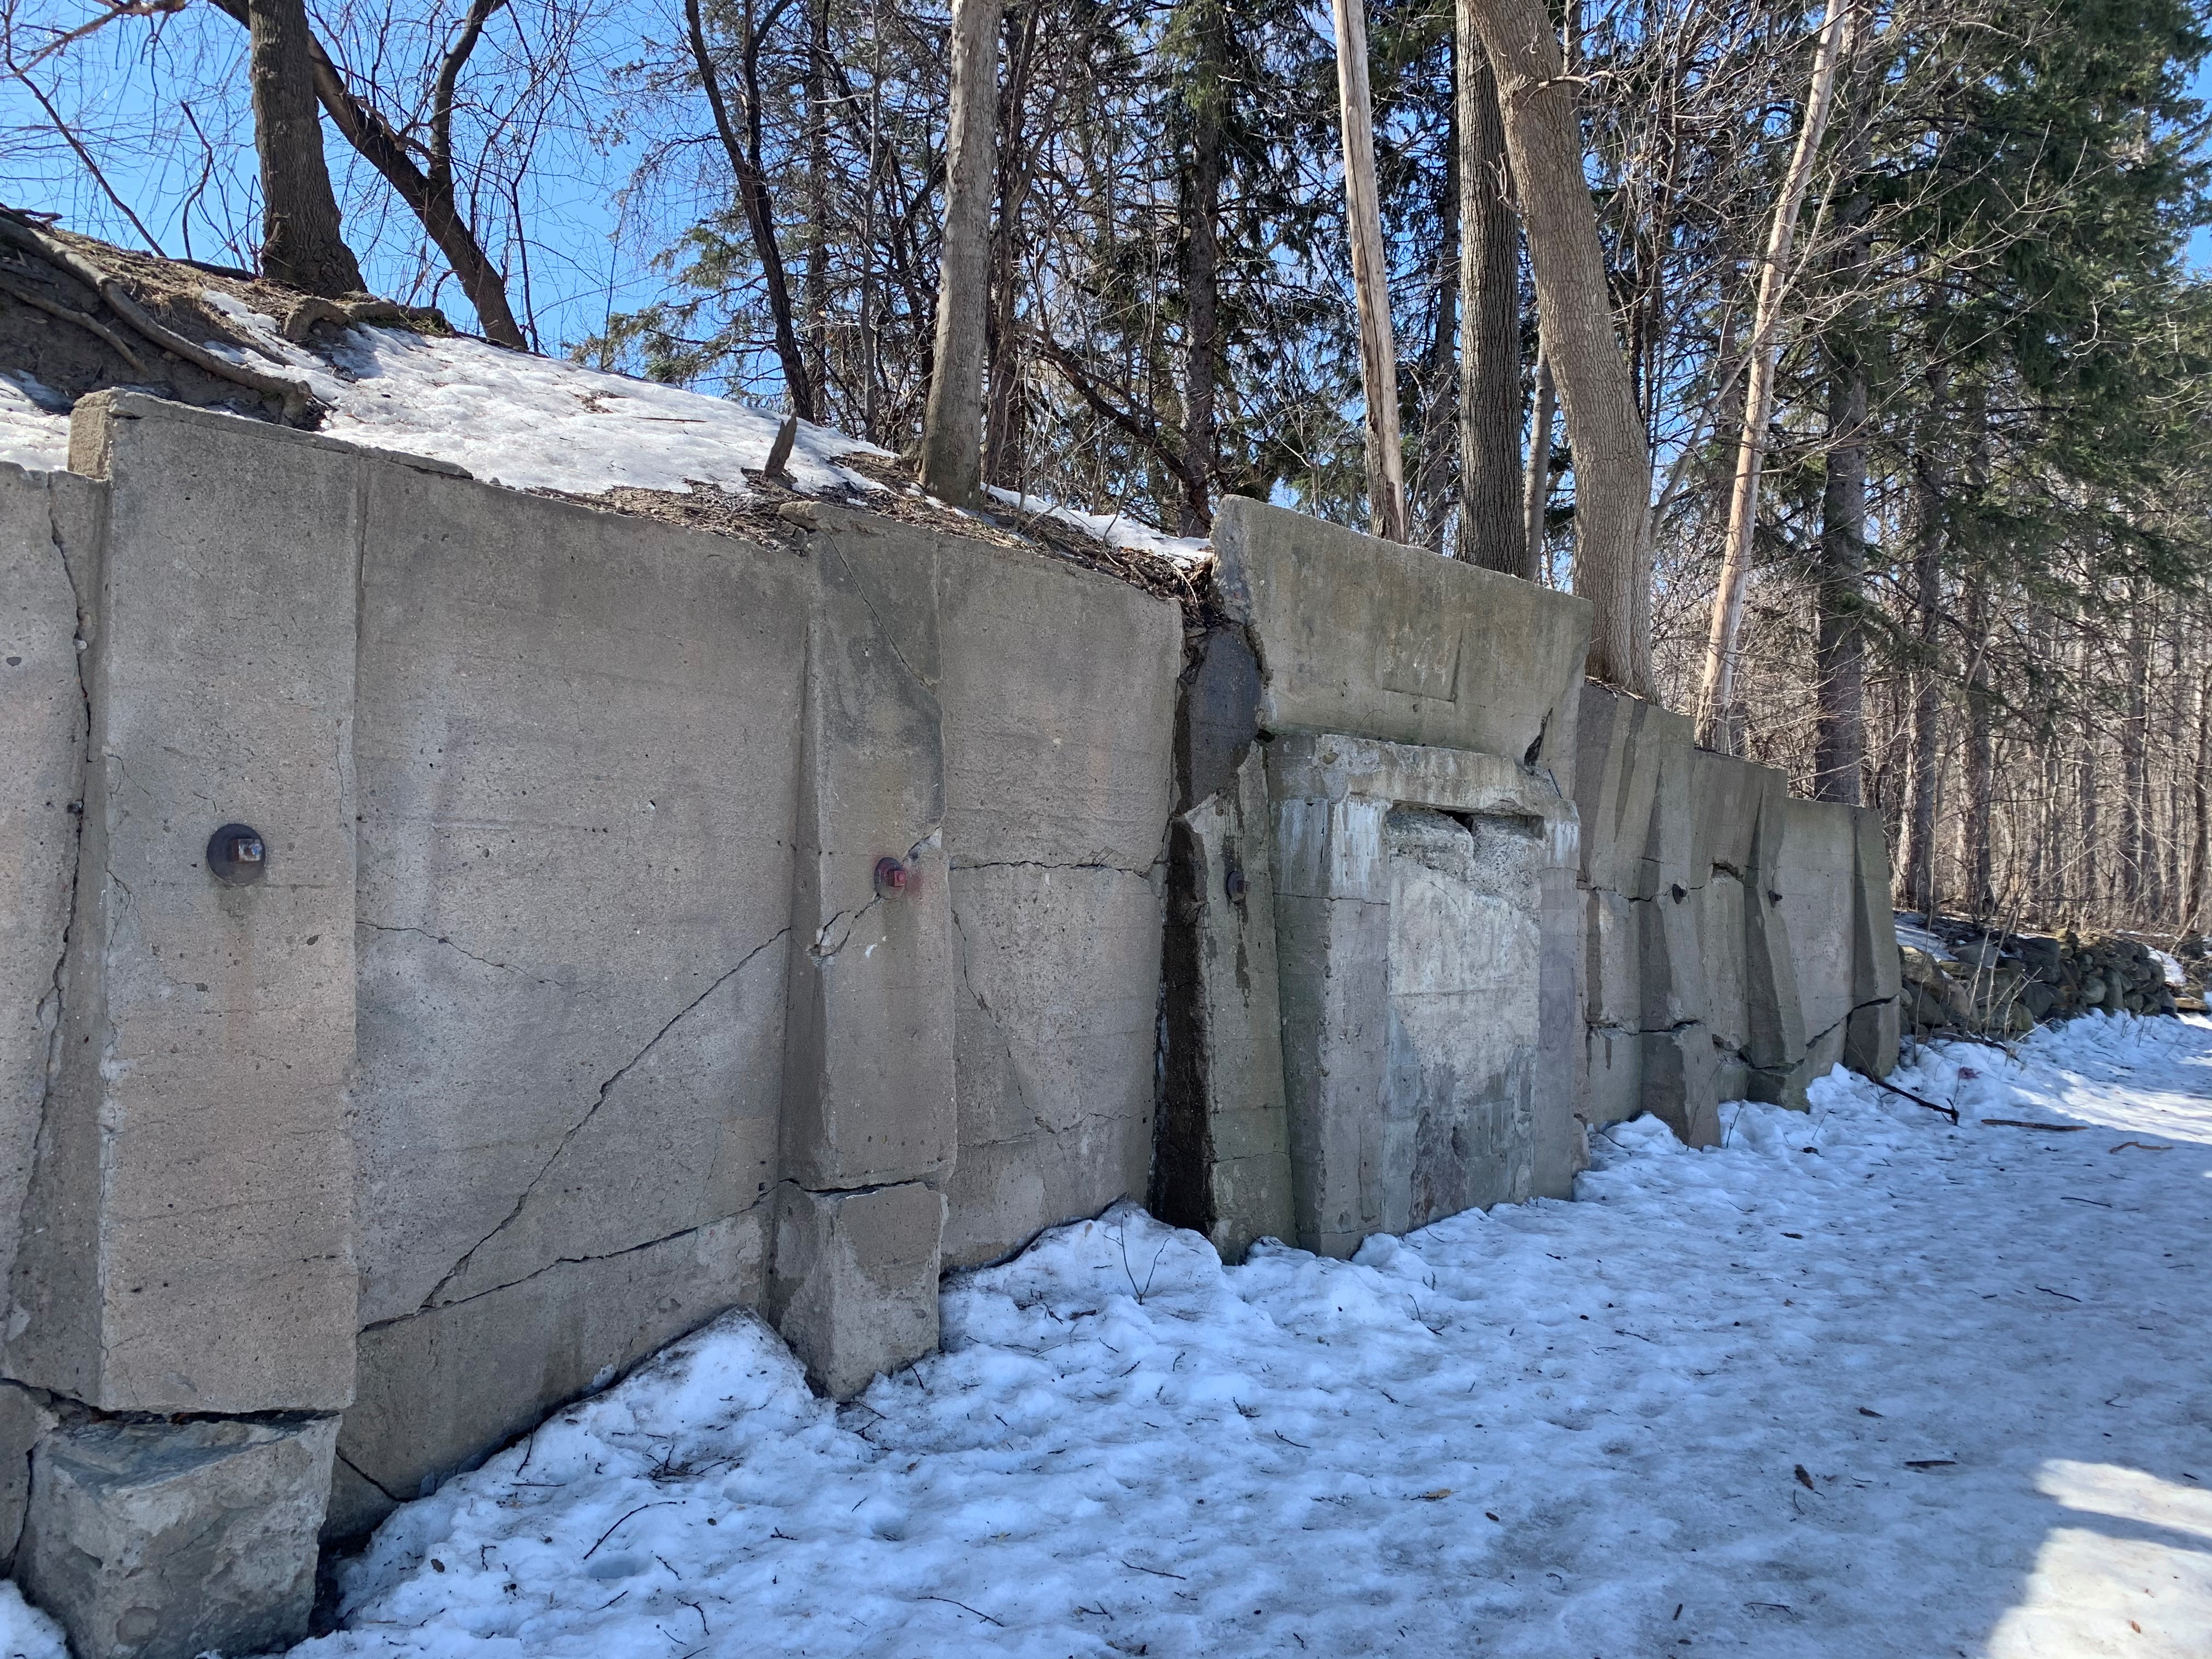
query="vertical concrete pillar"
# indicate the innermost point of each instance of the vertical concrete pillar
(1333, 949)
(1871, 1036)
(870, 1122)
(188, 1238)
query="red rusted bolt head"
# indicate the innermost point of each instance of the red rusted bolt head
(891, 876)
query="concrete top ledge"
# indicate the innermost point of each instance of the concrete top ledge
(1355, 634)
(1334, 767)
(89, 422)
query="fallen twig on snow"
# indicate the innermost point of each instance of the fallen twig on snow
(2048, 1128)
(2140, 1145)
(1951, 1112)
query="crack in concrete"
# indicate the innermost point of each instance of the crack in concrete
(568, 1261)
(77, 646)
(821, 949)
(441, 939)
(1040, 863)
(861, 593)
(370, 1479)
(606, 1088)
(1013, 1061)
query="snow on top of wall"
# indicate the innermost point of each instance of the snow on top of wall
(539, 423)
(33, 433)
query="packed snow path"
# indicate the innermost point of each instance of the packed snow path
(1857, 1383)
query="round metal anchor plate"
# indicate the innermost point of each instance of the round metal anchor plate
(237, 856)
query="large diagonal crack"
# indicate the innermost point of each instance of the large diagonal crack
(860, 592)
(575, 1129)
(568, 1261)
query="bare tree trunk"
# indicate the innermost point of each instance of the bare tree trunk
(1492, 514)
(743, 151)
(302, 243)
(2199, 905)
(1975, 824)
(1002, 414)
(2134, 776)
(952, 428)
(1719, 716)
(1613, 454)
(1927, 688)
(1370, 278)
(1839, 653)
(1536, 495)
(1202, 276)
(430, 197)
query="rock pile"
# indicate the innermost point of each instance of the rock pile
(1994, 984)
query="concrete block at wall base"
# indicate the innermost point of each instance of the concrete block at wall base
(1681, 1082)
(440, 1389)
(1871, 1036)
(854, 1290)
(25, 1419)
(1057, 986)
(162, 1540)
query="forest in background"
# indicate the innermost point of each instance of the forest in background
(1924, 265)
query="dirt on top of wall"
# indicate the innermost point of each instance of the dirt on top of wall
(78, 315)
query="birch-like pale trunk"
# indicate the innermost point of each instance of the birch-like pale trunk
(1719, 720)
(1536, 492)
(1370, 278)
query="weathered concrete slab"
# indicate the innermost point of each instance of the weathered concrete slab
(165, 1540)
(1356, 635)
(1058, 773)
(855, 1286)
(440, 1390)
(1057, 1019)
(577, 755)
(1222, 1161)
(1409, 885)
(1814, 875)
(1877, 984)
(49, 531)
(189, 1236)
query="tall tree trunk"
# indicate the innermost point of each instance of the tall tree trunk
(1537, 494)
(1491, 532)
(952, 428)
(1201, 272)
(1435, 493)
(2199, 904)
(2134, 776)
(1002, 416)
(1975, 826)
(1370, 278)
(1927, 687)
(1720, 717)
(814, 88)
(302, 243)
(1613, 455)
(1839, 653)
(742, 148)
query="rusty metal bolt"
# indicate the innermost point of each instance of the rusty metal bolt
(891, 876)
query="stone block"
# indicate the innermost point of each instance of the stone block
(1055, 1027)
(189, 1230)
(577, 753)
(440, 1390)
(26, 1417)
(1360, 635)
(49, 546)
(855, 1286)
(1058, 775)
(1428, 943)
(164, 1540)
(869, 1097)
(1815, 876)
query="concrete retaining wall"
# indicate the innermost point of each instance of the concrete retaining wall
(1738, 942)
(575, 1006)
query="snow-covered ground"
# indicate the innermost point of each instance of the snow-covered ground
(1859, 1383)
